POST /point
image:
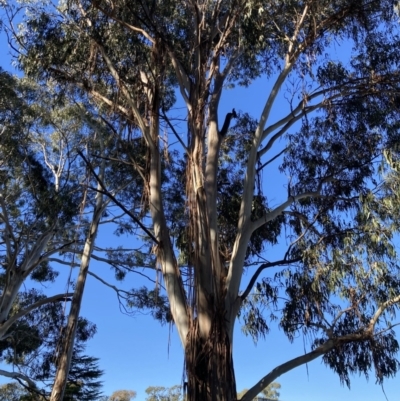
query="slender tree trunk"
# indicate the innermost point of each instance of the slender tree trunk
(65, 356)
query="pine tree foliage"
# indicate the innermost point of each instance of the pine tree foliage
(33, 345)
(82, 382)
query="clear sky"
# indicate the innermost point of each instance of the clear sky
(136, 352)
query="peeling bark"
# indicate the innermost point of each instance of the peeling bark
(209, 363)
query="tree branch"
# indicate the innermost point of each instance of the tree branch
(286, 367)
(33, 257)
(284, 129)
(93, 92)
(126, 93)
(381, 309)
(264, 266)
(59, 297)
(174, 131)
(9, 232)
(125, 24)
(272, 159)
(278, 210)
(183, 80)
(107, 193)
(121, 267)
(324, 348)
(301, 109)
(17, 375)
(113, 287)
(245, 226)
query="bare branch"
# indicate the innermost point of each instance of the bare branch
(119, 291)
(264, 266)
(63, 262)
(272, 159)
(293, 39)
(109, 194)
(174, 131)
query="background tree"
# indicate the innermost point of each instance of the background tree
(36, 200)
(31, 350)
(271, 392)
(121, 395)
(45, 199)
(212, 213)
(82, 382)
(12, 392)
(159, 393)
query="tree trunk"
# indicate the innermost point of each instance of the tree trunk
(67, 348)
(209, 363)
(208, 347)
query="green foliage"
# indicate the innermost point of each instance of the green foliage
(159, 393)
(33, 342)
(27, 183)
(271, 392)
(120, 395)
(16, 392)
(339, 214)
(83, 383)
(11, 392)
(153, 300)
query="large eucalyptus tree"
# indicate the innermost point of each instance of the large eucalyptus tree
(211, 215)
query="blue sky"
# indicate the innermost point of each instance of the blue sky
(136, 352)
